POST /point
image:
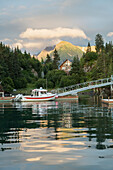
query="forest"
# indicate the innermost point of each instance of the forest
(19, 70)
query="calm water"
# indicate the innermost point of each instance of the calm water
(56, 135)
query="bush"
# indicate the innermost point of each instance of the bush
(55, 76)
(91, 56)
(44, 83)
(8, 84)
(67, 81)
(20, 83)
(41, 83)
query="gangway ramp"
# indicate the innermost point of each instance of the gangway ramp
(74, 89)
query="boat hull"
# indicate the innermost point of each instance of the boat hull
(34, 99)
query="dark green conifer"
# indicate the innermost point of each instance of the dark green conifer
(56, 59)
(99, 43)
(88, 48)
(48, 59)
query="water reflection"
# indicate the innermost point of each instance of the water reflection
(55, 128)
(62, 120)
(56, 132)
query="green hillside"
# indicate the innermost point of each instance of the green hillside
(65, 50)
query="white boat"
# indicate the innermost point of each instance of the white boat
(36, 95)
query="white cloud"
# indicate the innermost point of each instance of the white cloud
(110, 34)
(29, 45)
(5, 40)
(18, 44)
(53, 33)
(54, 42)
(17, 40)
(34, 46)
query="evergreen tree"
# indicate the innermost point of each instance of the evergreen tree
(56, 59)
(108, 47)
(77, 71)
(48, 59)
(99, 42)
(19, 67)
(75, 66)
(88, 48)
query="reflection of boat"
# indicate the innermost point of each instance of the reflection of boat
(37, 107)
(36, 95)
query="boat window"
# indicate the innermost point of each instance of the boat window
(36, 93)
(43, 92)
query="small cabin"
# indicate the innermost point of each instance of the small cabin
(38, 92)
(66, 66)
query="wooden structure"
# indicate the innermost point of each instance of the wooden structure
(66, 66)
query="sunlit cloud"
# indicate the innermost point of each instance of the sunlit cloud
(33, 45)
(18, 44)
(54, 41)
(110, 34)
(5, 40)
(29, 45)
(33, 159)
(21, 44)
(53, 33)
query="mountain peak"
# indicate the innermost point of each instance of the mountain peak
(61, 43)
(65, 49)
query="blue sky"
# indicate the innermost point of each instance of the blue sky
(35, 24)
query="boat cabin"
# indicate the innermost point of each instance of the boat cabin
(38, 92)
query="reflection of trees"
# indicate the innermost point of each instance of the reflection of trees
(99, 123)
(96, 121)
(12, 122)
(104, 130)
(53, 121)
(62, 121)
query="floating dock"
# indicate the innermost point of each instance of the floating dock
(69, 97)
(6, 99)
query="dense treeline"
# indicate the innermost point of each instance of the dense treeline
(54, 78)
(18, 70)
(92, 66)
(98, 64)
